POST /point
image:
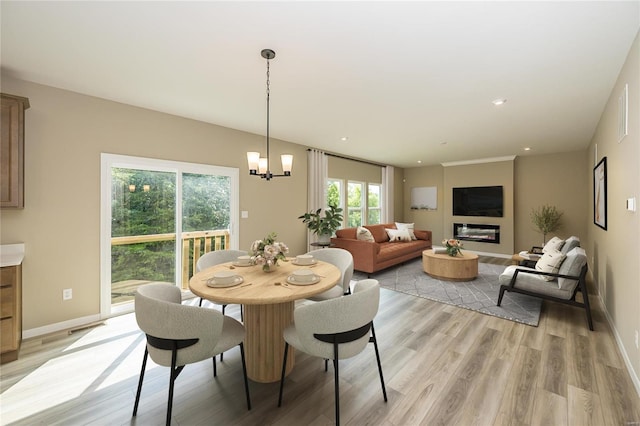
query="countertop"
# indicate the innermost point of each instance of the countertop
(11, 254)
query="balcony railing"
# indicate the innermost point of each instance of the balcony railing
(194, 245)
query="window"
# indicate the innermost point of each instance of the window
(358, 211)
(334, 193)
(374, 212)
(354, 204)
(157, 218)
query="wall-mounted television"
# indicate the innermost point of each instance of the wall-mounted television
(478, 201)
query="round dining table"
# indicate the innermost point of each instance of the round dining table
(269, 300)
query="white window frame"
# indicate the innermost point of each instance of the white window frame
(109, 161)
(380, 201)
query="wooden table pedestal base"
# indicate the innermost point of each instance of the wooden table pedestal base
(264, 345)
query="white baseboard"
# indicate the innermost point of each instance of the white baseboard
(60, 326)
(625, 356)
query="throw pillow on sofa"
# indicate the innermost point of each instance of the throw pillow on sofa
(409, 227)
(550, 262)
(363, 234)
(398, 235)
(553, 244)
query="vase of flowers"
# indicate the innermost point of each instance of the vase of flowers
(452, 246)
(267, 252)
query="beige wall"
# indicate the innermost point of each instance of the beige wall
(559, 180)
(614, 253)
(440, 222)
(60, 224)
(484, 174)
(431, 220)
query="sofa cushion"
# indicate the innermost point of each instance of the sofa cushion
(553, 244)
(379, 233)
(409, 227)
(399, 235)
(533, 283)
(572, 265)
(391, 250)
(349, 233)
(550, 262)
(569, 244)
(363, 234)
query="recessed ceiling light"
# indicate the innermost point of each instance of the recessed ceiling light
(527, 149)
(419, 161)
(344, 138)
(498, 102)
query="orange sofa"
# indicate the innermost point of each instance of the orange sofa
(375, 256)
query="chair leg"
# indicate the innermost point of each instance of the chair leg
(241, 313)
(326, 365)
(200, 303)
(172, 378)
(222, 354)
(244, 372)
(585, 301)
(336, 382)
(502, 289)
(375, 345)
(284, 364)
(215, 369)
(144, 365)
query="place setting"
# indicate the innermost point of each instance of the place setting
(242, 262)
(223, 279)
(304, 260)
(303, 277)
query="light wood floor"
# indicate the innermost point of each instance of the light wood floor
(442, 365)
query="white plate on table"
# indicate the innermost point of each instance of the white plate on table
(313, 262)
(292, 280)
(237, 280)
(240, 265)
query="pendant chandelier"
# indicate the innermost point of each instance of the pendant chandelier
(259, 166)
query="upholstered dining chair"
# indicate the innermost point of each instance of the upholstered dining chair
(217, 257)
(178, 335)
(343, 260)
(336, 329)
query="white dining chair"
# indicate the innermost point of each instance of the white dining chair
(343, 260)
(336, 329)
(178, 335)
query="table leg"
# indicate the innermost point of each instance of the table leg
(264, 345)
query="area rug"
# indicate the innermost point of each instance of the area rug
(479, 295)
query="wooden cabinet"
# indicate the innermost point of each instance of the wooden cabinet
(12, 151)
(10, 312)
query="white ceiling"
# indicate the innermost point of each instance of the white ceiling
(404, 81)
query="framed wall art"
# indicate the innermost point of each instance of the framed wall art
(600, 194)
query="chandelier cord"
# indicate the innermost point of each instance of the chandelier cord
(268, 98)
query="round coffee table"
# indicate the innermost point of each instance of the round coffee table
(463, 267)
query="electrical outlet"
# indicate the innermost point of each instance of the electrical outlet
(637, 343)
(67, 294)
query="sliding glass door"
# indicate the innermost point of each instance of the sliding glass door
(157, 218)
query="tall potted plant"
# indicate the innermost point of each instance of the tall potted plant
(546, 219)
(323, 225)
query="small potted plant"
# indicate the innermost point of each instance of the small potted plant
(546, 219)
(323, 225)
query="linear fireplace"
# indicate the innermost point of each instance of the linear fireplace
(477, 232)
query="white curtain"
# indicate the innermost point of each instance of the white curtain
(388, 214)
(317, 183)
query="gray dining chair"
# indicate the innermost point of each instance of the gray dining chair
(343, 260)
(178, 335)
(217, 257)
(336, 329)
